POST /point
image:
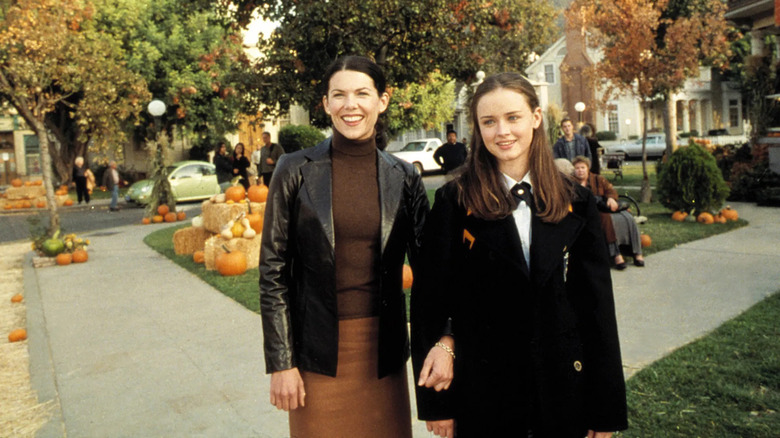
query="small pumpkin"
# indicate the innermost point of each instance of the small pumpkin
(17, 298)
(41, 204)
(180, 216)
(720, 219)
(646, 240)
(237, 229)
(68, 202)
(157, 219)
(705, 218)
(679, 216)
(17, 335)
(170, 217)
(255, 220)
(16, 182)
(199, 257)
(80, 256)
(146, 221)
(729, 213)
(408, 277)
(258, 193)
(235, 193)
(26, 204)
(231, 263)
(64, 258)
(163, 209)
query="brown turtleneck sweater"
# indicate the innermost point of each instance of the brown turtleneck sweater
(357, 226)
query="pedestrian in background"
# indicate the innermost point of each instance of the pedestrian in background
(81, 176)
(223, 166)
(450, 155)
(570, 144)
(241, 165)
(512, 305)
(589, 133)
(111, 180)
(339, 221)
(269, 155)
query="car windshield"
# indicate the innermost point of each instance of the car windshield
(414, 146)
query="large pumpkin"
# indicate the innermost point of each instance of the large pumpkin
(16, 182)
(408, 277)
(729, 214)
(258, 193)
(231, 263)
(80, 256)
(235, 193)
(64, 258)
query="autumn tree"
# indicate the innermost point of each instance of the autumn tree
(650, 47)
(410, 39)
(46, 58)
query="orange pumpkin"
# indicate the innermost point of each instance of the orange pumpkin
(408, 277)
(26, 204)
(679, 216)
(255, 221)
(80, 256)
(720, 219)
(231, 263)
(235, 193)
(180, 216)
(705, 218)
(646, 240)
(17, 298)
(68, 202)
(16, 182)
(157, 219)
(729, 214)
(41, 204)
(170, 217)
(64, 258)
(17, 335)
(146, 221)
(199, 257)
(163, 209)
(258, 193)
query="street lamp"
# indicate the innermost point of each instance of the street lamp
(579, 107)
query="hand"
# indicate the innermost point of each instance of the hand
(437, 370)
(442, 428)
(287, 390)
(269, 161)
(594, 434)
(235, 171)
(612, 204)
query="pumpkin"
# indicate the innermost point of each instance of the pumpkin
(27, 183)
(705, 218)
(17, 335)
(255, 220)
(17, 298)
(231, 263)
(679, 216)
(68, 202)
(170, 217)
(646, 240)
(16, 182)
(258, 193)
(64, 258)
(26, 204)
(408, 277)
(729, 213)
(237, 229)
(80, 256)
(180, 216)
(146, 221)
(720, 219)
(41, 204)
(199, 257)
(162, 210)
(157, 219)
(235, 193)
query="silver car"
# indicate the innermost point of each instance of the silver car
(656, 146)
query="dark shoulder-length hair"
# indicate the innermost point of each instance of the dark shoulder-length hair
(365, 65)
(481, 186)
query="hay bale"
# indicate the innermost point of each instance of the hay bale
(60, 199)
(190, 239)
(217, 215)
(250, 247)
(25, 192)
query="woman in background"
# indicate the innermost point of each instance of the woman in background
(240, 165)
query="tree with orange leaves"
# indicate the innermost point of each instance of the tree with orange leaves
(650, 47)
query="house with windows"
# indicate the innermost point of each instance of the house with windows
(706, 102)
(19, 149)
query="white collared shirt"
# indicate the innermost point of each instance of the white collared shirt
(522, 216)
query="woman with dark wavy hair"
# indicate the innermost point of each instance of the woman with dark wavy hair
(515, 274)
(339, 221)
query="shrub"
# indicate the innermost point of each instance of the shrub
(692, 133)
(606, 136)
(691, 181)
(296, 137)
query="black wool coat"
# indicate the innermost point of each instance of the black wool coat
(535, 349)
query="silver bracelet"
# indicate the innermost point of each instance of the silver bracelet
(446, 348)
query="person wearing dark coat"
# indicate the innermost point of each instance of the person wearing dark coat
(570, 144)
(593, 143)
(241, 165)
(452, 154)
(513, 320)
(223, 165)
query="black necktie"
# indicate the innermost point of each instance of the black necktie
(522, 192)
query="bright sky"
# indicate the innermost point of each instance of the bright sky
(251, 35)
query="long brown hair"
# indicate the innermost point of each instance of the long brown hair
(481, 186)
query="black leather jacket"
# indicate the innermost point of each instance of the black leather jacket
(297, 274)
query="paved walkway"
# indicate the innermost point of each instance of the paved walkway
(129, 344)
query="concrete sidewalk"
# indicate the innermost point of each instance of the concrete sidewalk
(129, 344)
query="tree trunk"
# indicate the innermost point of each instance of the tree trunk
(670, 123)
(646, 193)
(46, 168)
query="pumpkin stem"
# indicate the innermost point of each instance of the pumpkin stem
(225, 248)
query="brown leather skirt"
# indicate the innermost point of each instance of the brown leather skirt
(354, 403)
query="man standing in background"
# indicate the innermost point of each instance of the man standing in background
(450, 155)
(269, 156)
(571, 144)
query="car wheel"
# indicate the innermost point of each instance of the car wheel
(419, 168)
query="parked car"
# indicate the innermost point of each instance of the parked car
(656, 145)
(420, 154)
(190, 181)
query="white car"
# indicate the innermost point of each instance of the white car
(656, 145)
(420, 154)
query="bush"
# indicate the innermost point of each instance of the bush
(296, 137)
(693, 133)
(691, 181)
(606, 136)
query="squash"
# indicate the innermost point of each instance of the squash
(408, 277)
(729, 213)
(258, 193)
(17, 298)
(199, 257)
(705, 218)
(231, 263)
(679, 216)
(80, 256)
(157, 219)
(180, 216)
(17, 335)
(646, 240)
(169, 217)
(64, 258)
(235, 193)
(237, 229)
(255, 220)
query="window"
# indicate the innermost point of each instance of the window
(613, 119)
(549, 73)
(734, 113)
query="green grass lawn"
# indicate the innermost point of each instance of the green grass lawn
(726, 384)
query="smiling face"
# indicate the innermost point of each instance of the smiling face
(507, 123)
(354, 104)
(581, 171)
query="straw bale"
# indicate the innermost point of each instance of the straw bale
(250, 247)
(190, 239)
(217, 215)
(25, 192)
(60, 199)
